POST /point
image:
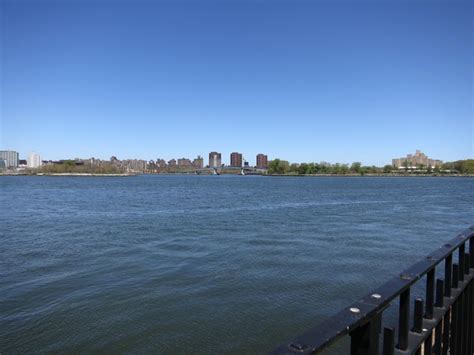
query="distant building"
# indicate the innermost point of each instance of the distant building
(413, 161)
(215, 160)
(172, 163)
(10, 158)
(184, 163)
(33, 161)
(113, 159)
(161, 163)
(134, 165)
(198, 163)
(262, 161)
(236, 159)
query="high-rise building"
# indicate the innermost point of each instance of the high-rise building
(215, 160)
(33, 161)
(10, 157)
(262, 161)
(236, 159)
(198, 163)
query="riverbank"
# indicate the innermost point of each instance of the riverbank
(371, 175)
(268, 175)
(71, 174)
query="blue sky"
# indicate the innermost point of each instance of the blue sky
(336, 81)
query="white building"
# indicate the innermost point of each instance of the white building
(10, 158)
(34, 160)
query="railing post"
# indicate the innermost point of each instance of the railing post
(438, 338)
(439, 293)
(469, 317)
(418, 316)
(471, 297)
(471, 293)
(455, 321)
(466, 264)
(467, 305)
(455, 276)
(462, 249)
(388, 341)
(403, 319)
(454, 338)
(429, 294)
(365, 339)
(460, 322)
(446, 329)
(471, 251)
(448, 267)
(454, 324)
(428, 345)
(439, 304)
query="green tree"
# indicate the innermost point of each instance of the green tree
(302, 168)
(278, 166)
(273, 166)
(317, 168)
(387, 168)
(310, 168)
(355, 167)
(463, 166)
(344, 169)
(294, 168)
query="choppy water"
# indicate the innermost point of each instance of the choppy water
(204, 264)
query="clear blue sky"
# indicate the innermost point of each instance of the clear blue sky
(338, 81)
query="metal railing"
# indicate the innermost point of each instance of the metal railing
(443, 323)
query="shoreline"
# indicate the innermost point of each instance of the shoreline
(266, 175)
(72, 174)
(372, 175)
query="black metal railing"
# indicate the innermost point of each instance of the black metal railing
(443, 323)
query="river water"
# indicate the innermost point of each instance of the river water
(205, 264)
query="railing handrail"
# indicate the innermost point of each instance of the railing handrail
(374, 303)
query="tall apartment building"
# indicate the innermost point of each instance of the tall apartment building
(236, 159)
(262, 161)
(33, 161)
(198, 163)
(414, 160)
(215, 160)
(10, 158)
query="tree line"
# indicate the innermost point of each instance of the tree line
(463, 166)
(69, 166)
(278, 166)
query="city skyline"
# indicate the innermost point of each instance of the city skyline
(298, 81)
(215, 160)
